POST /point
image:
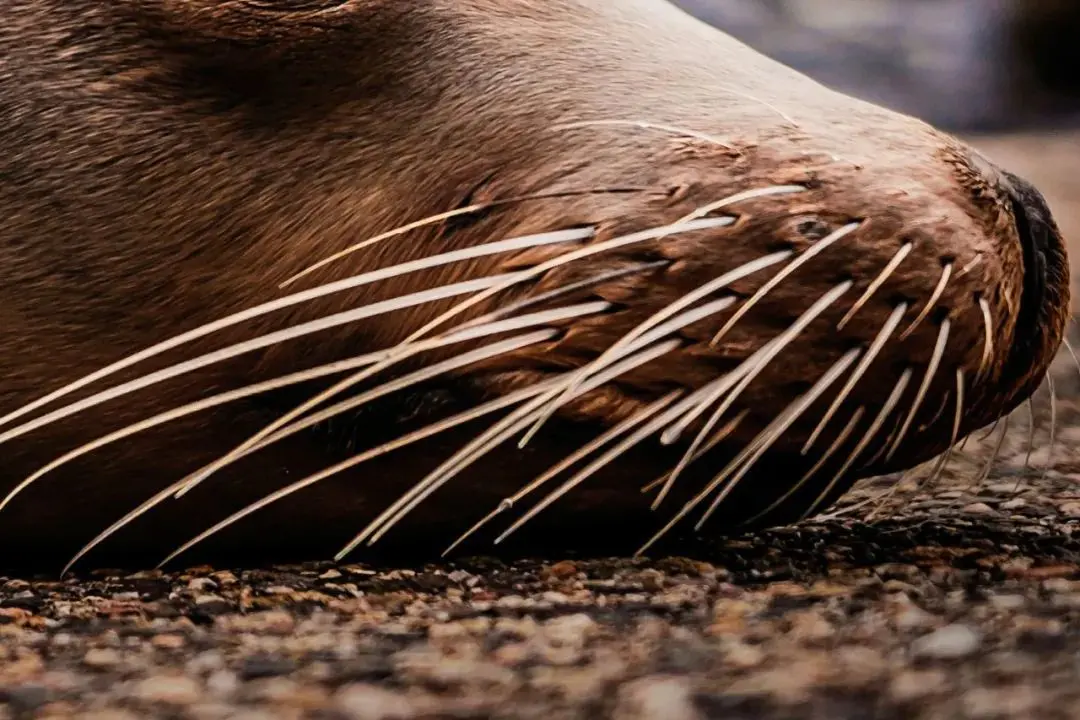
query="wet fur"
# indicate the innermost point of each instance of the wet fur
(166, 163)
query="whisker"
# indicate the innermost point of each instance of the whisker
(875, 427)
(958, 416)
(403, 350)
(644, 125)
(992, 429)
(755, 364)
(712, 207)
(977, 260)
(521, 322)
(995, 454)
(532, 300)
(836, 445)
(426, 432)
(810, 253)
(524, 321)
(779, 427)
(190, 409)
(1031, 432)
(405, 347)
(1072, 352)
(552, 238)
(618, 349)
(586, 450)
(1053, 427)
(263, 341)
(931, 370)
(884, 498)
(946, 273)
(813, 312)
(130, 517)
(484, 444)
(718, 437)
(988, 342)
(701, 399)
(871, 354)
(438, 218)
(874, 286)
(662, 231)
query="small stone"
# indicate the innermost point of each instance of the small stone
(911, 686)
(101, 658)
(562, 570)
(656, 697)
(743, 656)
(571, 630)
(951, 642)
(978, 509)
(169, 690)
(1007, 602)
(369, 702)
(168, 642)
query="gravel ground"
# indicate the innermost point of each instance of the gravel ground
(960, 600)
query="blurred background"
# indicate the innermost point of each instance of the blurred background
(1004, 74)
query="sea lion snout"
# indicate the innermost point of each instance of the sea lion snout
(593, 241)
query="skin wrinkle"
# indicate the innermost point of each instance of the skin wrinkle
(164, 163)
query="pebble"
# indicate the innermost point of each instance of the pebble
(651, 698)
(948, 643)
(175, 690)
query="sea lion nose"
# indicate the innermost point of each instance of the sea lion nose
(1035, 227)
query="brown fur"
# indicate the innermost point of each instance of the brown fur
(164, 163)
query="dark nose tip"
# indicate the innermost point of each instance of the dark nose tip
(1038, 234)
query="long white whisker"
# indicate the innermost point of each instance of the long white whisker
(303, 376)
(1031, 432)
(405, 347)
(264, 341)
(810, 253)
(712, 207)
(562, 236)
(826, 301)
(190, 409)
(471, 333)
(663, 231)
(1053, 427)
(988, 341)
(755, 366)
(939, 290)
(931, 370)
(958, 416)
(875, 428)
(612, 434)
(644, 125)
(701, 399)
(871, 354)
(718, 437)
(426, 432)
(872, 432)
(558, 292)
(484, 444)
(778, 427)
(874, 286)
(617, 349)
(836, 445)
(995, 454)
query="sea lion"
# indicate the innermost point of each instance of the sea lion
(603, 239)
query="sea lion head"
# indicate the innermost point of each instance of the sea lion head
(783, 283)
